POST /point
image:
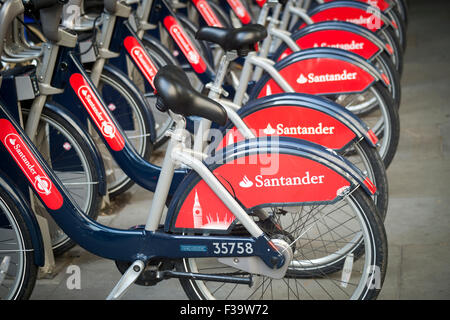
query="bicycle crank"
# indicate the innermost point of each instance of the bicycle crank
(157, 270)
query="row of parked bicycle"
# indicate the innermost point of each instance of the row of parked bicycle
(277, 121)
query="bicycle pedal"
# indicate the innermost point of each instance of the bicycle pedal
(127, 279)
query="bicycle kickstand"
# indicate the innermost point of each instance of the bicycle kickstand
(128, 278)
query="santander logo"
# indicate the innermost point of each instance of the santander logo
(41, 183)
(313, 78)
(106, 126)
(11, 142)
(141, 58)
(344, 46)
(97, 112)
(240, 11)
(281, 129)
(182, 40)
(185, 44)
(269, 130)
(302, 79)
(361, 20)
(144, 63)
(207, 13)
(261, 182)
(245, 183)
(29, 165)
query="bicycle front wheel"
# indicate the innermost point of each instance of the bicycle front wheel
(17, 269)
(377, 109)
(65, 150)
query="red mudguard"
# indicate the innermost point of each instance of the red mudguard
(367, 17)
(295, 180)
(340, 39)
(296, 122)
(383, 5)
(321, 76)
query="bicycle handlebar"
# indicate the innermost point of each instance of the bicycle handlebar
(8, 12)
(12, 8)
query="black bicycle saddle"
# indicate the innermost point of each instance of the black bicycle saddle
(241, 39)
(176, 93)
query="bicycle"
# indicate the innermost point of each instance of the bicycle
(295, 16)
(62, 140)
(318, 111)
(124, 100)
(141, 247)
(390, 8)
(387, 116)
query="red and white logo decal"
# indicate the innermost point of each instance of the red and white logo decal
(97, 112)
(29, 165)
(141, 58)
(260, 2)
(240, 11)
(339, 39)
(369, 184)
(321, 76)
(296, 122)
(368, 19)
(380, 4)
(207, 13)
(185, 44)
(202, 217)
(389, 49)
(298, 180)
(373, 137)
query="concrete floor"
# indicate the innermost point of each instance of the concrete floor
(419, 216)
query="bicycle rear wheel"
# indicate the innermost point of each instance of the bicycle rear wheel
(322, 237)
(64, 149)
(377, 109)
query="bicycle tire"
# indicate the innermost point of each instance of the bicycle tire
(388, 136)
(389, 36)
(400, 32)
(12, 224)
(375, 244)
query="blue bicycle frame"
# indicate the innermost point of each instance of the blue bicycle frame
(115, 244)
(139, 170)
